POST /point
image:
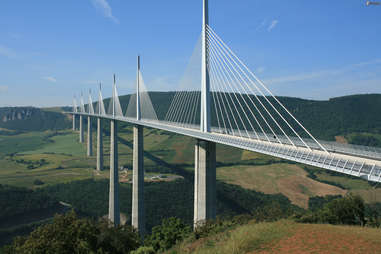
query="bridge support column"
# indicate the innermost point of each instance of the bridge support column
(138, 220)
(80, 129)
(113, 205)
(205, 182)
(99, 145)
(73, 122)
(89, 137)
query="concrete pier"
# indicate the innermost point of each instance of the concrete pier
(73, 122)
(80, 129)
(138, 220)
(99, 145)
(113, 205)
(205, 182)
(89, 137)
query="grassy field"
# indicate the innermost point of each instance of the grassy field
(289, 179)
(286, 237)
(65, 143)
(65, 160)
(22, 142)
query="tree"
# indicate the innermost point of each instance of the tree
(349, 210)
(170, 232)
(69, 234)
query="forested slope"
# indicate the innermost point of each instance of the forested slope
(356, 117)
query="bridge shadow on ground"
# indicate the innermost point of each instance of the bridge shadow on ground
(163, 199)
(177, 169)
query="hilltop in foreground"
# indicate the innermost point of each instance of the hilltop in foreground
(289, 238)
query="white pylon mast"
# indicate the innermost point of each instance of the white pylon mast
(138, 90)
(74, 104)
(100, 99)
(205, 86)
(113, 98)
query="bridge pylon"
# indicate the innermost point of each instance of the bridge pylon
(74, 110)
(89, 137)
(74, 122)
(99, 133)
(205, 151)
(99, 144)
(138, 217)
(204, 182)
(113, 205)
(81, 136)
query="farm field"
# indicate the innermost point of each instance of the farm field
(57, 157)
(289, 179)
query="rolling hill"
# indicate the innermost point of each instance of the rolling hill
(286, 237)
(34, 149)
(355, 117)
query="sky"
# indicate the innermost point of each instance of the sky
(53, 50)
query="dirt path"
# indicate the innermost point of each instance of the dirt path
(327, 239)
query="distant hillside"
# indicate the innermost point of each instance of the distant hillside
(356, 117)
(23, 210)
(32, 119)
(324, 119)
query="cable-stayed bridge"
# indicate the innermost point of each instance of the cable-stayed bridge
(219, 100)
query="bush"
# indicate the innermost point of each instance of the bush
(170, 232)
(272, 212)
(38, 182)
(373, 215)
(316, 203)
(209, 227)
(144, 250)
(349, 210)
(69, 234)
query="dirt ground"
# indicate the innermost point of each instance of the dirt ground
(326, 239)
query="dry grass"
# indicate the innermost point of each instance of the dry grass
(286, 237)
(288, 179)
(341, 139)
(253, 236)
(327, 239)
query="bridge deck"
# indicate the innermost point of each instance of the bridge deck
(352, 160)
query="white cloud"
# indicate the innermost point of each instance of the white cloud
(50, 79)
(298, 77)
(104, 7)
(4, 51)
(260, 70)
(3, 89)
(272, 25)
(261, 25)
(320, 73)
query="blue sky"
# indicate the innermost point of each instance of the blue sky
(50, 50)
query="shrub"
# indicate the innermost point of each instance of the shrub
(69, 234)
(167, 234)
(272, 212)
(38, 182)
(349, 210)
(210, 227)
(144, 250)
